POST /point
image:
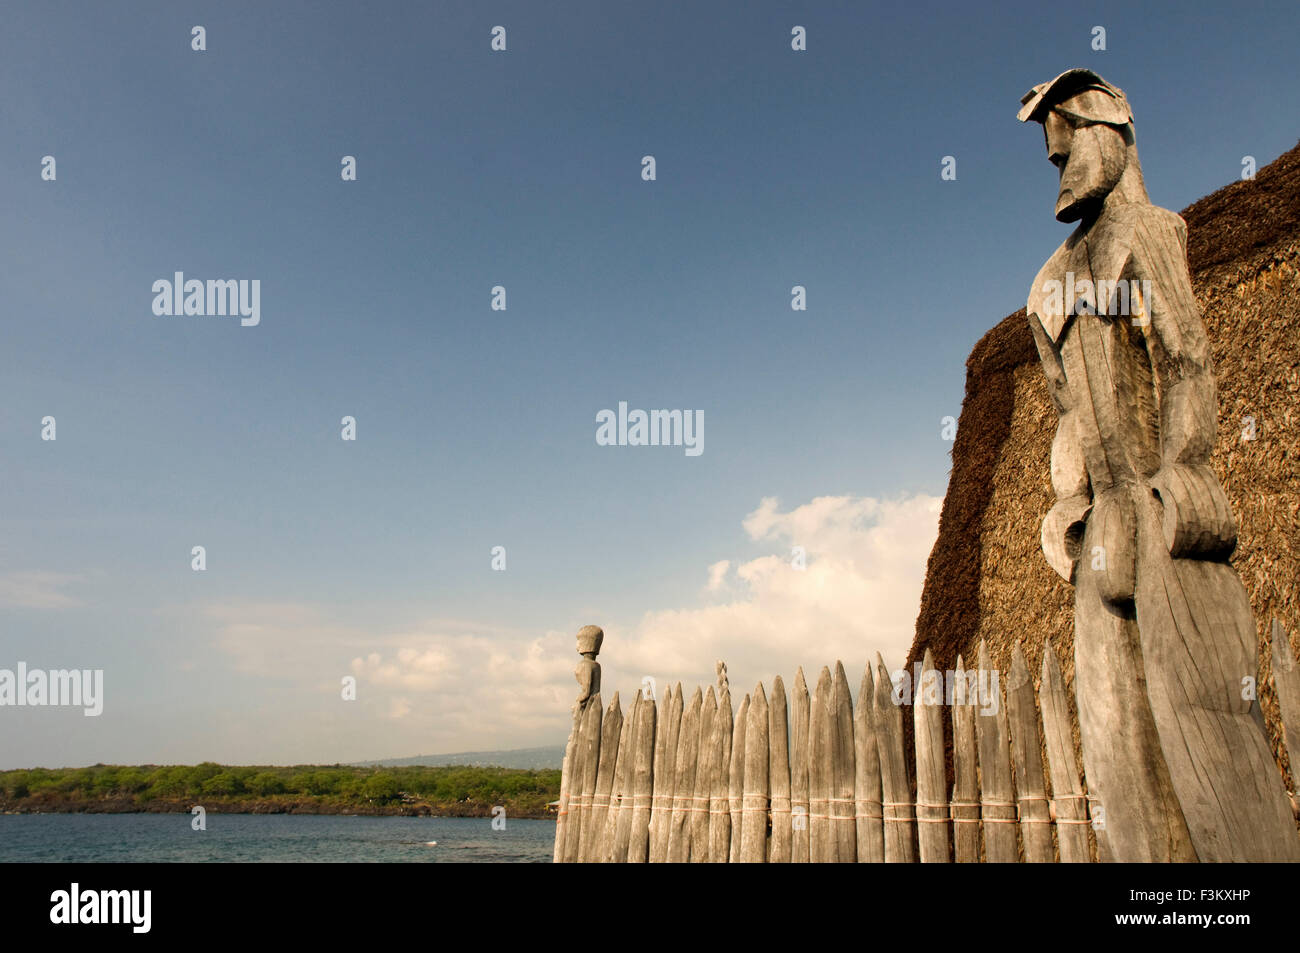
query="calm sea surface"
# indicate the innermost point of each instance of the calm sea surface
(254, 838)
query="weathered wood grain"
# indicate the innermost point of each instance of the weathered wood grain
(719, 802)
(799, 771)
(965, 808)
(821, 835)
(1286, 680)
(778, 773)
(704, 780)
(566, 784)
(899, 819)
(931, 785)
(1067, 791)
(643, 740)
(736, 779)
(580, 824)
(1026, 758)
(620, 800)
(611, 731)
(997, 796)
(757, 793)
(843, 821)
(866, 787)
(620, 822)
(574, 825)
(661, 819)
(688, 754)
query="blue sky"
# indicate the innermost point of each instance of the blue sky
(476, 427)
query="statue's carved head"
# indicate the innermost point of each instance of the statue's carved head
(589, 639)
(1088, 126)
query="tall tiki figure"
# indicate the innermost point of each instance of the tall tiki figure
(587, 673)
(573, 769)
(1173, 742)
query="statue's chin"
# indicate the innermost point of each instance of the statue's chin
(1068, 208)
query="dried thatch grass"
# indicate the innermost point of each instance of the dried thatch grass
(986, 576)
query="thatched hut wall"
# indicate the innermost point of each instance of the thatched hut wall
(986, 577)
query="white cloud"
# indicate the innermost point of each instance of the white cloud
(717, 574)
(440, 685)
(859, 594)
(445, 685)
(36, 590)
(284, 641)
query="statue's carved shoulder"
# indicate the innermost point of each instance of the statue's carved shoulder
(1160, 253)
(1160, 238)
(1162, 220)
(1054, 269)
(1111, 240)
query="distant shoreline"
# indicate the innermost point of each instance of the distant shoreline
(411, 791)
(126, 805)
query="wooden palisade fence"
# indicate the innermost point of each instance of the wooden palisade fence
(677, 779)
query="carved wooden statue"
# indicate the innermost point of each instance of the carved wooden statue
(1173, 742)
(582, 749)
(588, 671)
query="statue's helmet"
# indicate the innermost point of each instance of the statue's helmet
(1088, 131)
(589, 639)
(1081, 96)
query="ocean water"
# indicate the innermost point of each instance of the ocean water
(260, 838)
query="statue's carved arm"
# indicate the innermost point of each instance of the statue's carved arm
(1197, 519)
(588, 675)
(1062, 531)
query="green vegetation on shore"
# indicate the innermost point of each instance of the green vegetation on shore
(303, 789)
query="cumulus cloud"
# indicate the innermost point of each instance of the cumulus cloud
(448, 691)
(36, 590)
(858, 594)
(437, 685)
(717, 574)
(445, 685)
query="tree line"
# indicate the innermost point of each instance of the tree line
(524, 789)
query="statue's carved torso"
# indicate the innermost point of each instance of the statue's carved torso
(588, 675)
(1100, 366)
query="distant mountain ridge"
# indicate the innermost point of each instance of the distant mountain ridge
(548, 756)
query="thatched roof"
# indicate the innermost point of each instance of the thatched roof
(986, 576)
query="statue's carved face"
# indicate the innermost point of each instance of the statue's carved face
(1091, 158)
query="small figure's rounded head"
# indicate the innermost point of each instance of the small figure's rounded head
(589, 639)
(1088, 128)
